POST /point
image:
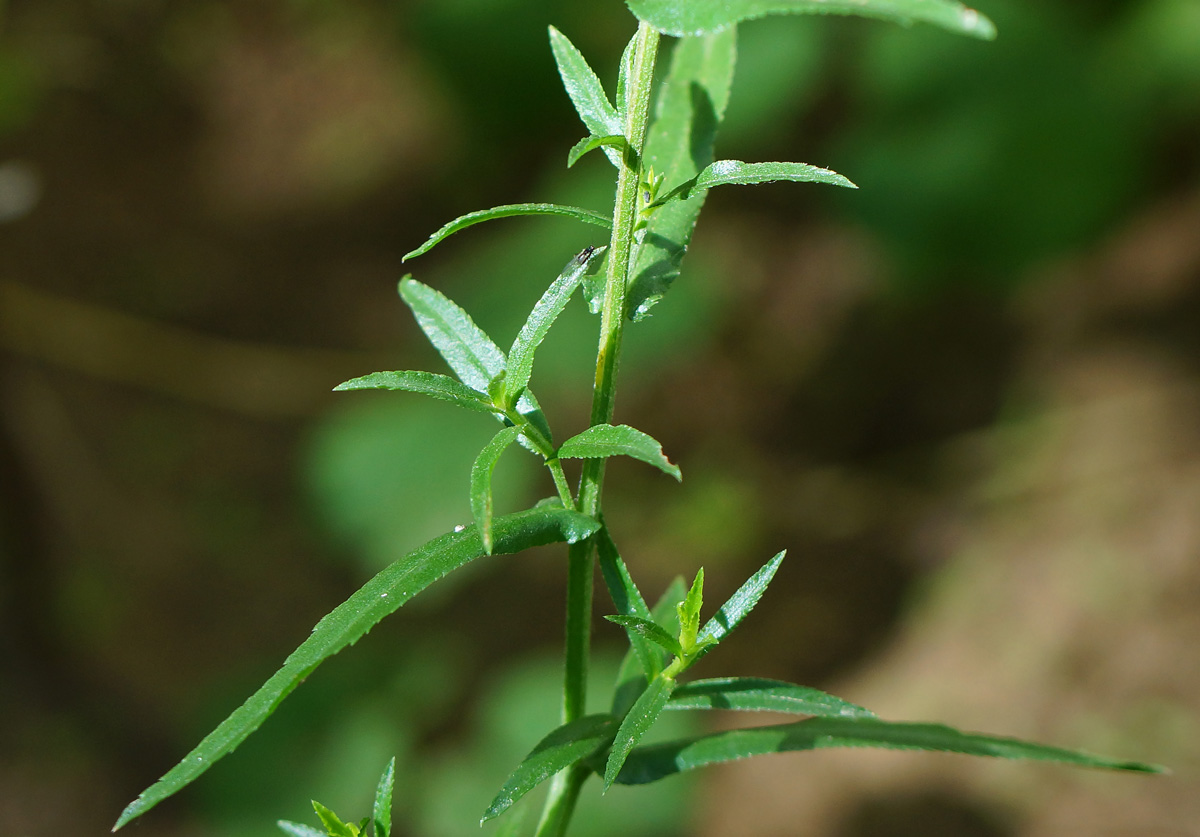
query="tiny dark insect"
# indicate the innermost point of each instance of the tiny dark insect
(585, 254)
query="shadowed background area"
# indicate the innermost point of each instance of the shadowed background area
(966, 398)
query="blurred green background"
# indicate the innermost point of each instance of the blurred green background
(965, 397)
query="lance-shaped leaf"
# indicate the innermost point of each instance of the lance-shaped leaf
(381, 811)
(481, 482)
(543, 315)
(507, 211)
(614, 141)
(475, 359)
(739, 604)
(632, 677)
(347, 623)
(648, 764)
(688, 17)
(640, 718)
(689, 612)
(737, 173)
(648, 630)
(296, 829)
(627, 599)
(334, 827)
(466, 348)
(585, 90)
(560, 749)
(426, 383)
(604, 440)
(756, 694)
(679, 145)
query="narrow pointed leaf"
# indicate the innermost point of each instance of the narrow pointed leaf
(560, 749)
(632, 678)
(296, 829)
(466, 348)
(627, 599)
(507, 211)
(603, 440)
(648, 764)
(585, 90)
(689, 17)
(381, 811)
(679, 145)
(543, 315)
(740, 603)
(348, 622)
(756, 694)
(623, 76)
(425, 383)
(647, 629)
(481, 482)
(333, 825)
(737, 173)
(689, 612)
(641, 717)
(614, 141)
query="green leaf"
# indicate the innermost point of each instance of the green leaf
(689, 612)
(689, 17)
(631, 681)
(740, 603)
(351, 620)
(586, 92)
(737, 173)
(333, 825)
(296, 829)
(563, 747)
(543, 315)
(616, 141)
(466, 348)
(641, 717)
(381, 812)
(649, 630)
(481, 482)
(425, 383)
(507, 211)
(627, 599)
(604, 440)
(626, 68)
(679, 145)
(757, 694)
(648, 764)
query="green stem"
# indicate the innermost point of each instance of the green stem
(564, 791)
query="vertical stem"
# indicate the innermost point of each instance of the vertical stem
(564, 790)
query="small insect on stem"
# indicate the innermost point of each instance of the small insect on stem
(585, 254)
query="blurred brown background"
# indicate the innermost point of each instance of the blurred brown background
(965, 397)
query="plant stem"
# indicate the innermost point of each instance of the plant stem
(564, 790)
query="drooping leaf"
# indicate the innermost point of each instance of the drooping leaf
(426, 383)
(507, 211)
(648, 630)
(348, 622)
(586, 92)
(560, 749)
(648, 764)
(475, 359)
(757, 694)
(296, 829)
(579, 149)
(689, 17)
(543, 315)
(333, 825)
(627, 599)
(481, 482)
(740, 603)
(679, 145)
(603, 440)
(381, 811)
(632, 677)
(641, 717)
(737, 173)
